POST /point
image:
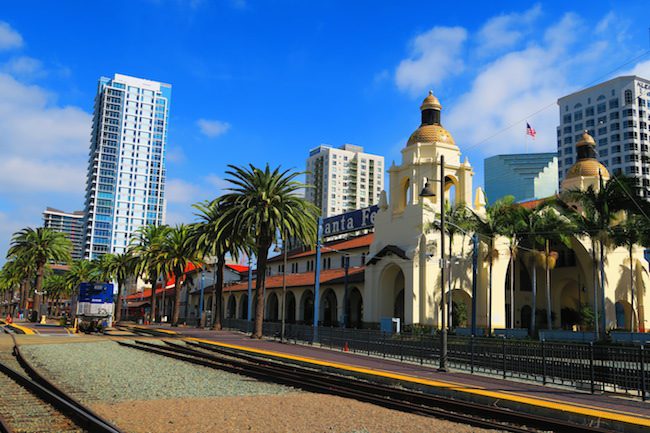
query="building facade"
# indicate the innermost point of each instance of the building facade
(343, 179)
(524, 175)
(125, 186)
(69, 223)
(615, 113)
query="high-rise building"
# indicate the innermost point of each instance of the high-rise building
(70, 223)
(523, 175)
(125, 187)
(343, 179)
(615, 113)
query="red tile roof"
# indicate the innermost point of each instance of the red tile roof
(238, 268)
(343, 244)
(304, 279)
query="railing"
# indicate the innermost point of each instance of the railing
(587, 366)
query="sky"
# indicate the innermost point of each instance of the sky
(266, 81)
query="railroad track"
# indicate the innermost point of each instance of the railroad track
(309, 379)
(33, 404)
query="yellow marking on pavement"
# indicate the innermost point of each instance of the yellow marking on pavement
(26, 330)
(549, 404)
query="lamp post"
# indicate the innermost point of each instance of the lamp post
(284, 285)
(427, 191)
(201, 299)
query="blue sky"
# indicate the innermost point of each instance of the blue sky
(265, 81)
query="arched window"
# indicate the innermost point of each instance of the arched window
(578, 105)
(628, 97)
(600, 98)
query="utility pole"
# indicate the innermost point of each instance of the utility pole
(317, 278)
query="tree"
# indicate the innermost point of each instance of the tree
(120, 267)
(178, 251)
(40, 246)
(217, 237)
(56, 286)
(81, 271)
(20, 272)
(146, 246)
(260, 203)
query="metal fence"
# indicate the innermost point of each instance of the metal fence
(586, 366)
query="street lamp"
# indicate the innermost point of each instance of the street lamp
(428, 191)
(284, 284)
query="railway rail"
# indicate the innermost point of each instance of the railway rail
(31, 403)
(309, 379)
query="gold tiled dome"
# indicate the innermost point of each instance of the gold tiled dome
(431, 102)
(587, 167)
(430, 134)
(586, 140)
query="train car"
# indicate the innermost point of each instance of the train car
(94, 306)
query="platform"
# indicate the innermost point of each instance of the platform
(605, 410)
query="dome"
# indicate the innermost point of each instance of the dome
(586, 140)
(430, 102)
(430, 134)
(587, 167)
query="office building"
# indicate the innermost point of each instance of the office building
(69, 223)
(615, 113)
(344, 178)
(524, 176)
(125, 186)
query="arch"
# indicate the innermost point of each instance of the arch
(243, 306)
(328, 313)
(624, 315)
(272, 308)
(290, 308)
(306, 313)
(404, 199)
(391, 294)
(231, 307)
(355, 308)
(578, 105)
(460, 308)
(601, 98)
(570, 305)
(452, 192)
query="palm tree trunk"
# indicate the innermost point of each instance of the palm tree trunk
(449, 280)
(549, 315)
(262, 252)
(512, 289)
(218, 293)
(153, 299)
(177, 300)
(39, 287)
(603, 317)
(631, 288)
(490, 290)
(118, 301)
(533, 312)
(594, 261)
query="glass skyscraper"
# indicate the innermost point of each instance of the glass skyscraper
(125, 187)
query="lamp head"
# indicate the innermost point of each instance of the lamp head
(427, 191)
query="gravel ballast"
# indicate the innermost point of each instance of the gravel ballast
(108, 372)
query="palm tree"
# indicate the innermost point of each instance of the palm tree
(81, 271)
(217, 237)
(56, 286)
(146, 246)
(40, 246)
(261, 203)
(178, 251)
(120, 267)
(21, 272)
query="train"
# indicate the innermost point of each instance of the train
(94, 306)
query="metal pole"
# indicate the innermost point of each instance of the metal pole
(201, 298)
(317, 278)
(346, 266)
(250, 289)
(284, 285)
(474, 280)
(443, 331)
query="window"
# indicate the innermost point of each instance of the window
(628, 97)
(616, 149)
(613, 103)
(568, 151)
(613, 116)
(602, 119)
(577, 127)
(615, 137)
(628, 113)
(589, 111)
(602, 131)
(590, 122)
(601, 108)
(577, 115)
(567, 140)
(568, 161)
(603, 152)
(616, 160)
(566, 118)
(615, 126)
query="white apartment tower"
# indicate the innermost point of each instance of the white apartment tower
(125, 187)
(616, 115)
(343, 179)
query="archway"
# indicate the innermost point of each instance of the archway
(392, 294)
(623, 315)
(526, 313)
(329, 308)
(405, 193)
(451, 190)
(272, 305)
(570, 305)
(461, 308)
(307, 307)
(290, 308)
(231, 307)
(243, 306)
(355, 308)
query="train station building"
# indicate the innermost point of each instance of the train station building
(395, 271)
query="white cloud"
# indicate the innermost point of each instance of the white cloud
(213, 128)
(9, 38)
(505, 31)
(217, 182)
(18, 174)
(434, 56)
(179, 191)
(641, 69)
(24, 66)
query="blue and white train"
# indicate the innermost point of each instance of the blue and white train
(94, 306)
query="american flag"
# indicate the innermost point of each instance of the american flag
(530, 131)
